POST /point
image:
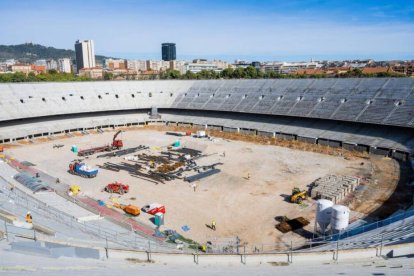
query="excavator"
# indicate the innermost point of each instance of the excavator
(298, 196)
(118, 144)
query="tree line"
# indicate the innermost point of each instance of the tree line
(229, 73)
(251, 72)
(51, 75)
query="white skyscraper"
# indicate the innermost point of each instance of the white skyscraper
(85, 54)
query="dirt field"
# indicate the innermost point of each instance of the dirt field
(241, 207)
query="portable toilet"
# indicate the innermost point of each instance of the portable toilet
(74, 148)
(159, 219)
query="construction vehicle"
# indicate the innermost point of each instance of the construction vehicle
(298, 195)
(81, 169)
(129, 209)
(116, 145)
(153, 208)
(117, 188)
(74, 189)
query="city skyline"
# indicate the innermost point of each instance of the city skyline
(270, 30)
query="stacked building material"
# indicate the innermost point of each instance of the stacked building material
(334, 187)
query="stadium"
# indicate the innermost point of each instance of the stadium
(255, 141)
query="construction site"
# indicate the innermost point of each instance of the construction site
(209, 186)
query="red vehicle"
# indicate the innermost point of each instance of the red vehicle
(117, 188)
(153, 208)
(116, 144)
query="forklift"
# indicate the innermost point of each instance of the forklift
(298, 196)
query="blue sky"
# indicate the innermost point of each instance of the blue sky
(251, 30)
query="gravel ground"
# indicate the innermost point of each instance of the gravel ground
(241, 206)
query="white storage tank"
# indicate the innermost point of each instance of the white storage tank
(339, 218)
(323, 213)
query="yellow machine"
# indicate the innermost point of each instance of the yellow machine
(75, 189)
(129, 209)
(298, 196)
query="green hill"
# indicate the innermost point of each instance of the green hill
(29, 52)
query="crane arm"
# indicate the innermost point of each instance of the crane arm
(116, 135)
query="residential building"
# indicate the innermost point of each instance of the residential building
(407, 68)
(41, 62)
(10, 62)
(198, 67)
(241, 64)
(85, 54)
(113, 64)
(38, 69)
(137, 65)
(3, 67)
(64, 65)
(178, 65)
(51, 64)
(220, 64)
(23, 68)
(158, 65)
(93, 73)
(168, 51)
(289, 67)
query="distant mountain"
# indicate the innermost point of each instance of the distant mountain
(29, 52)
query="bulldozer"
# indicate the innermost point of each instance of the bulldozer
(298, 195)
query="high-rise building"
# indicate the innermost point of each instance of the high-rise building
(168, 51)
(85, 54)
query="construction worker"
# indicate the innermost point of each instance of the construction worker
(248, 176)
(57, 180)
(213, 225)
(29, 217)
(194, 186)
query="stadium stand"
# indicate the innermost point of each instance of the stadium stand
(335, 112)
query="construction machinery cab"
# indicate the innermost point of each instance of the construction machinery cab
(72, 166)
(298, 195)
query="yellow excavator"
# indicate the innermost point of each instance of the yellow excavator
(298, 196)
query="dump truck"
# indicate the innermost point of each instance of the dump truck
(115, 145)
(117, 188)
(82, 169)
(298, 195)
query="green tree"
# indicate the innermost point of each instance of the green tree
(108, 76)
(250, 72)
(189, 75)
(18, 77)
(227, 73)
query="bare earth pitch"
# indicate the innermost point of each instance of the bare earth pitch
(243, 199)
